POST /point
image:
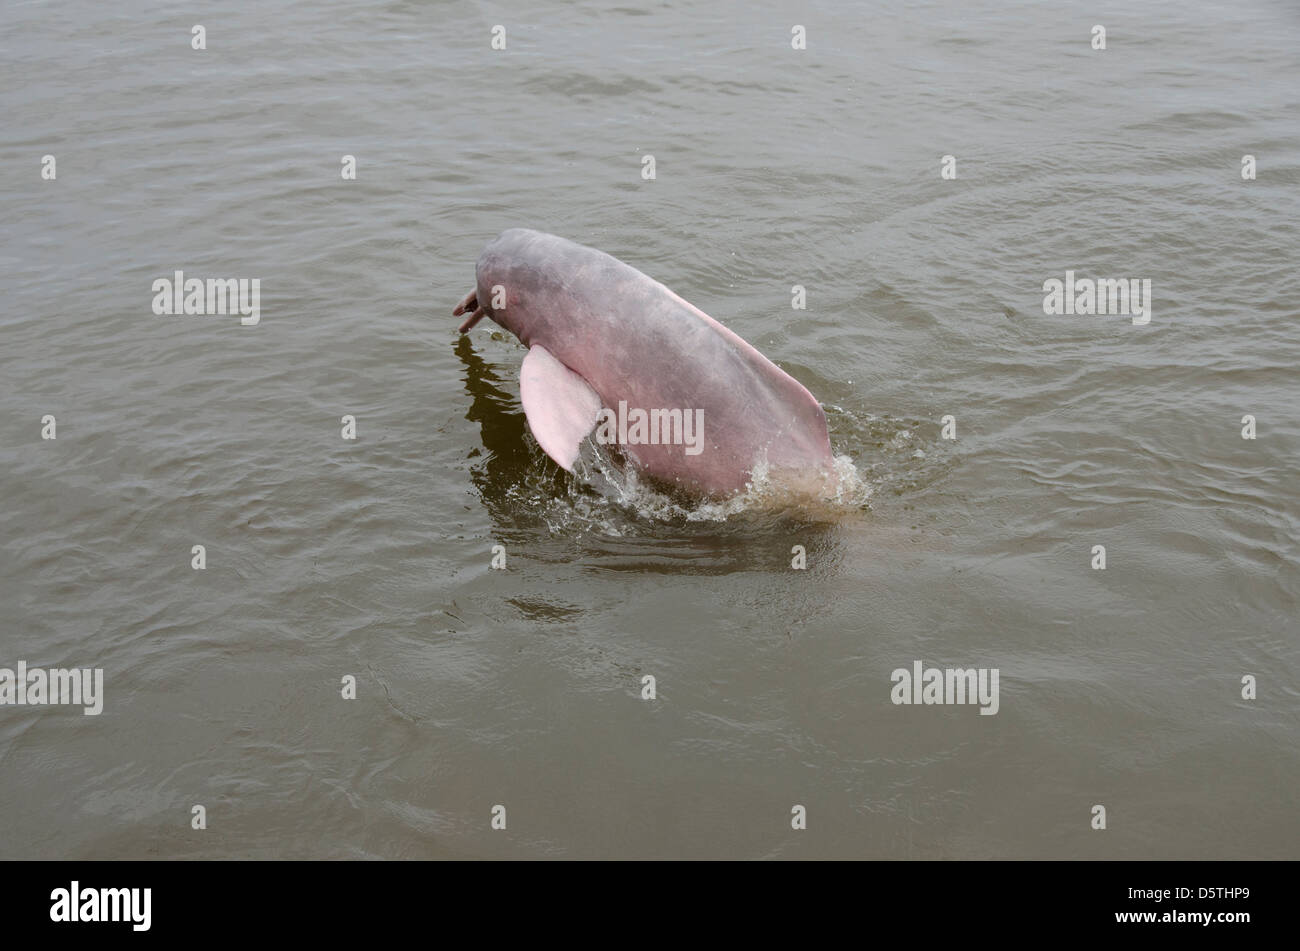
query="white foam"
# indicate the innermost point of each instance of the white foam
(816, 494)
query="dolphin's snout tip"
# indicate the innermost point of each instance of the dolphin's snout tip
(469, 303)
(470, 321)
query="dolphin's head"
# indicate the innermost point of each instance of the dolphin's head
(511, 273)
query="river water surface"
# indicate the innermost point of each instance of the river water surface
(328, 558)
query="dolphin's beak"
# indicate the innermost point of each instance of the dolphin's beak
(469, 303)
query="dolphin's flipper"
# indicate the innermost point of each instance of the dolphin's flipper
(560, 405)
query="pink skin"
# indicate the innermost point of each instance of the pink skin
(633, 339)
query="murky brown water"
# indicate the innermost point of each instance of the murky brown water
(522, 687)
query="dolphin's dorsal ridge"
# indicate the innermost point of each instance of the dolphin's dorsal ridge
(560, 405)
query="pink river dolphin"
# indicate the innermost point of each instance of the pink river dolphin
(612, 351)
